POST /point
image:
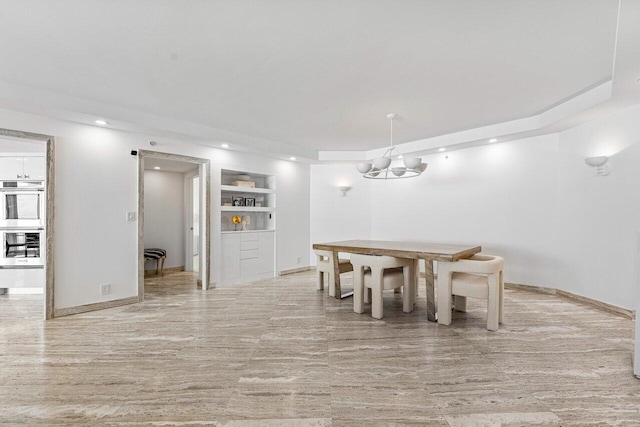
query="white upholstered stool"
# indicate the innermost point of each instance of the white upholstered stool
(384, 273)
(477, 277)
(325, 266)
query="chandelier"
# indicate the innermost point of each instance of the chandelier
(381, 167)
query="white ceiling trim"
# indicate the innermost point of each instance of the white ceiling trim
(78, 110)
(545, 122)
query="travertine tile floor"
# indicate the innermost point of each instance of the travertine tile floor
(280, 353)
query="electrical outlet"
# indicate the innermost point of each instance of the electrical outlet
(105, 289)
(298, 260)
(131, 216)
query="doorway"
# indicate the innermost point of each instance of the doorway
(171, 221)
(192, 209)
(47, 249)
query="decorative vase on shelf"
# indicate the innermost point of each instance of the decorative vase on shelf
(246, 220)
(236, 220)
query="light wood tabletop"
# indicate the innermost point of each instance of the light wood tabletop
(427, 251)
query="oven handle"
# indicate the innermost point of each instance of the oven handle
(20, 267)
(20, 190)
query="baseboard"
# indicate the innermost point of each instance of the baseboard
(531, 288)
(609, 308)
(68, 311)
(295, 270)
(165, 270)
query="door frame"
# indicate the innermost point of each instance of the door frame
(204, 171)
(188, 219)
(50, 143)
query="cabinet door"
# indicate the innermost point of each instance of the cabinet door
(249, 267)
(230, 268)
(11, 168)
(34, 168)
(266, 258)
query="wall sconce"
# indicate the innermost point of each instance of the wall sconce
(599, 163)
(342, 190)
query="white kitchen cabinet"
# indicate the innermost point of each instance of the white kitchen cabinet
(22, 168)
(11, 168)
(34, 168)
(22, 278)
(247, 256)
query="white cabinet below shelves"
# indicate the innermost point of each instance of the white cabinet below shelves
(230, 268)
(22, 168)
(247, 256)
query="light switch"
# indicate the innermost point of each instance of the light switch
(131, 216)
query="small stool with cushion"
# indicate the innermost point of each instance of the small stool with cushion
(159, 255)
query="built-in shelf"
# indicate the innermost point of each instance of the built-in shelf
(238, 189)
(247, 231)
(247, 254)
(245, 209)
(241, 188)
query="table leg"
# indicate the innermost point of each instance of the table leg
(336, 277)
(431, 301)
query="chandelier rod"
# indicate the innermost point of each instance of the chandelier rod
(391, 138)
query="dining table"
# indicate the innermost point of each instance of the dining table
(427, 251)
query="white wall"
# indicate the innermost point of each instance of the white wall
(292, 216)
(501, 197)
(533, 201)
(164, 222)
(96, 184)
(339, 218)
(598, 216)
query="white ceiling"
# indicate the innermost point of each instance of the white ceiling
(317, 75)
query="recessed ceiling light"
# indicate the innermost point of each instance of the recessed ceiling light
(441, 149)
(292, 158)
(400, 156)
(102, 122)
(224, 145)
(157, 168)
(493, 140)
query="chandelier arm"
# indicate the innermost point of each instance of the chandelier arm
(376, 170)
(410, 173)
(388, 152)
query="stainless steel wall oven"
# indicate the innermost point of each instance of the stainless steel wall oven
(22, 204)
(22, 247)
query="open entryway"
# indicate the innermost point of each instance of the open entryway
(173, 221)
(26, 221)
